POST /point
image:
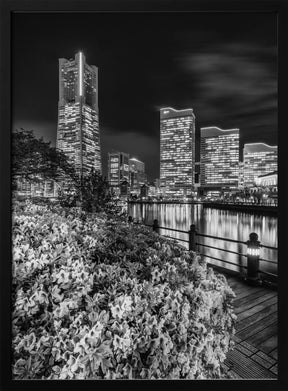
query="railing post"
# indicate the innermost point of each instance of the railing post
(192, 242)
(253, 255)
(156, 226)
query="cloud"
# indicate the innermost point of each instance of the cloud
(235, 82)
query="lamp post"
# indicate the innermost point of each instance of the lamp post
(253, 255)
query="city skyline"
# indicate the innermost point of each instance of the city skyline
(227, 75)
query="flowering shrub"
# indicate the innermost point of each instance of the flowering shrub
(99, 299)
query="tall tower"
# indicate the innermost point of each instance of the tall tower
(177, 152)
(219, 158)
(78, 133)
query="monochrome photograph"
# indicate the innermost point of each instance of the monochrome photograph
(144, 177)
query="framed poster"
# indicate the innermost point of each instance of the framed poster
(142, 147)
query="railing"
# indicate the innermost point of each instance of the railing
(252, 255)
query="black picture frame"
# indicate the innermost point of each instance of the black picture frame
(7, 9)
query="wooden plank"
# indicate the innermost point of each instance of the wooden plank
(252, 319)
(253, 299)
(250, 303)
(242, 289)
(270, 344)
(246, 291)
(259, 338)
(275, 369)
(257, 308)
(249, 347)
(246, 368)
(266, 357)
(262, 361)
(257, 326)
(274, 353)
(244, 350)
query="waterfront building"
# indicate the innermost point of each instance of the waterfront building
(137, 174)
(78, 133)
(258, 159)
(118, 168)
(267, 180)
(177, 152)
(219, 159)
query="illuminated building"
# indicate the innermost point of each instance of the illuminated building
(259, 159)
(78, 116)
(177, 152)
(118, 168)
(219, 158)
(241, 174)
(267, 180)
(137, 174)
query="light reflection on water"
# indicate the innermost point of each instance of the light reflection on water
(215, 222)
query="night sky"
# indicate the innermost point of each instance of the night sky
(223, 65)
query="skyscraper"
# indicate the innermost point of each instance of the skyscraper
(78, 115)
(219, 158)
(177, 152)
(137, 174)
(259, 159)
(118, 168)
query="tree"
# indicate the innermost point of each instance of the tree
(93, 193)
(34, 159)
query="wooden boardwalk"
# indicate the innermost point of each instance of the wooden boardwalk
(255, 354)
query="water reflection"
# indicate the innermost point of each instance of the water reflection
(214, 222)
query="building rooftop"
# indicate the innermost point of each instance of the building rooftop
(210, 131)
(169, 112)
(259, 147)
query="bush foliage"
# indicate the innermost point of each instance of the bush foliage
(99, 299)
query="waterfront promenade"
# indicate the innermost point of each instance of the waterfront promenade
(255, 355)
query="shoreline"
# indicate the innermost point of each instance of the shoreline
(249, 208)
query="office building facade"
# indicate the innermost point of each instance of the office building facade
(118, 168)
(78, 133)
(177, 152)
(137, 174)
(219, 158)
(258, 159)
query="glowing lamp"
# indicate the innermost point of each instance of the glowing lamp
(253, 254)
(253, 251)
(253, 245)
